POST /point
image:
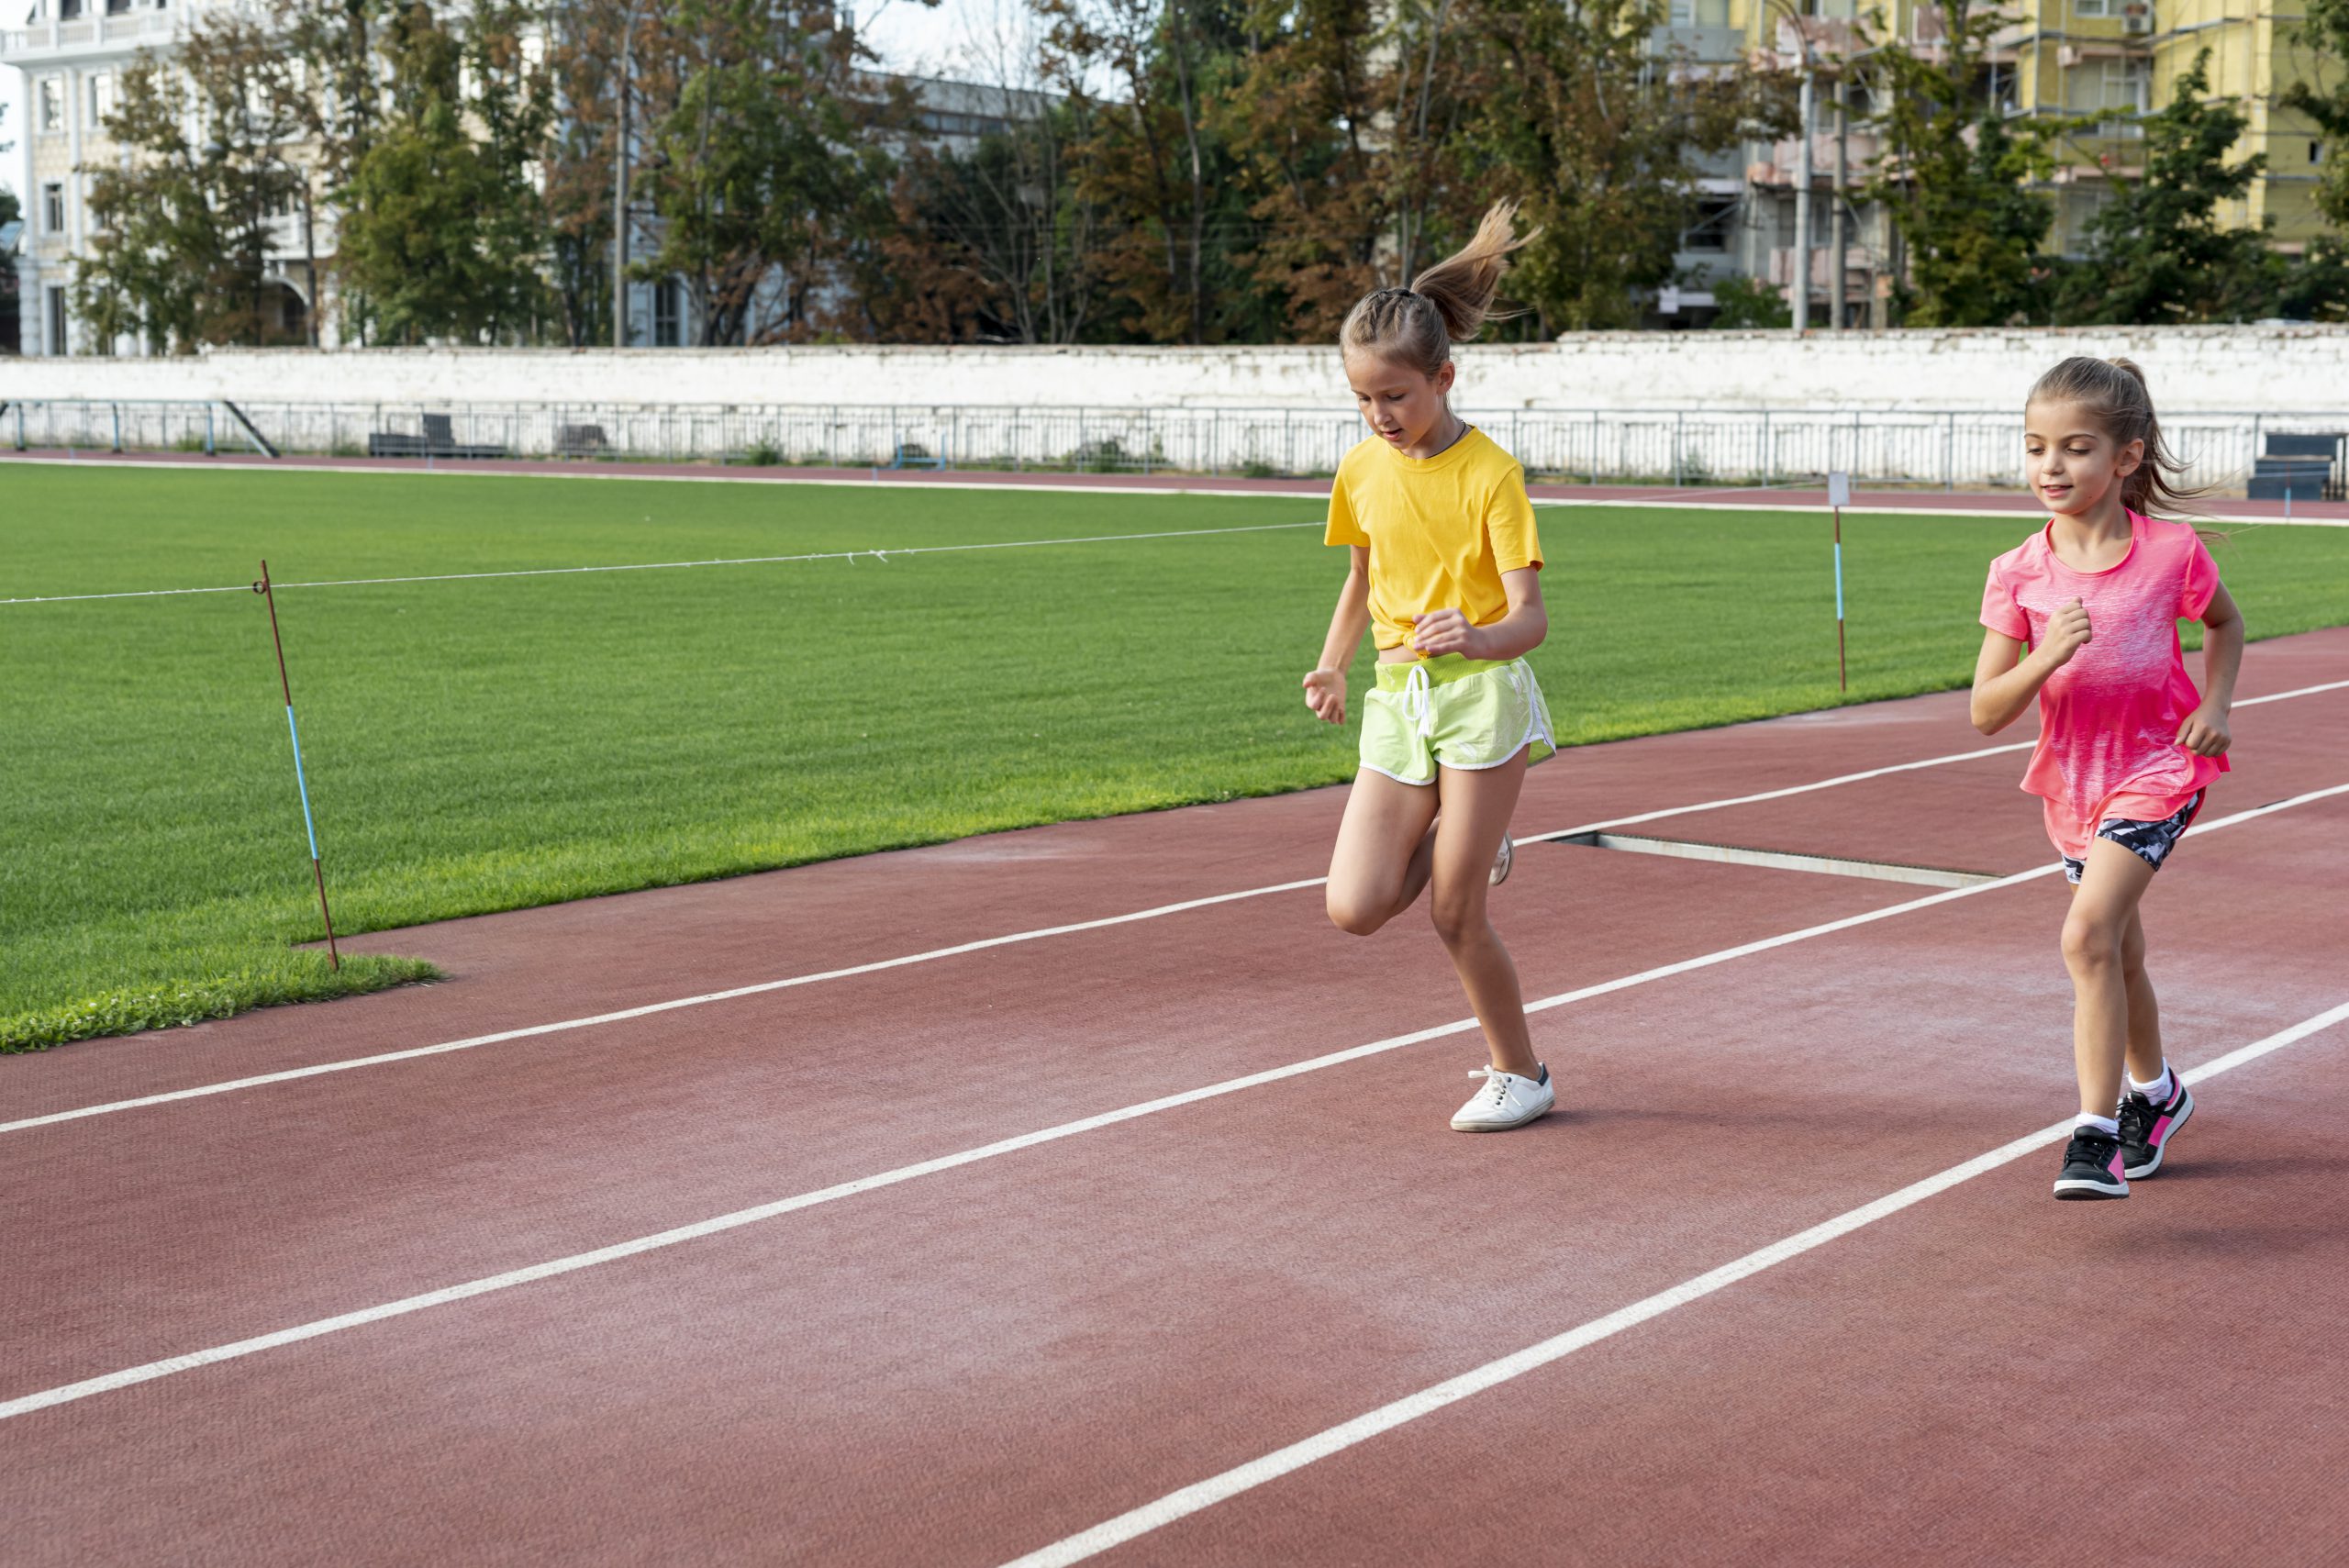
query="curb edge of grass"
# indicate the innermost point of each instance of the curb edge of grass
(180, 1003)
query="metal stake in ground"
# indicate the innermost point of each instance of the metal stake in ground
(1838, 495)
(334, 956)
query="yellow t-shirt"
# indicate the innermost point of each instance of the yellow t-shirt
(1441, 530)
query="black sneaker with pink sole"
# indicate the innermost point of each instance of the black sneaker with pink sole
(2092, 1167)
(2147, 1128)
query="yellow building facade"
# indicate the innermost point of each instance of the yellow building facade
(2114, 58)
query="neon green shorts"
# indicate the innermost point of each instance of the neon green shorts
(1455, 713)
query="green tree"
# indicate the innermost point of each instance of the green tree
(583, 61)
(1336, 197)
(999, 244)
(1955, 173)
(1153, 162)
(443, 233)
(1573, 110)
(181, 223)
(765, 172)
(1750, 302)
(2157, 251)
(2325, 100)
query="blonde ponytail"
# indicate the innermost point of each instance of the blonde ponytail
(1447, 304)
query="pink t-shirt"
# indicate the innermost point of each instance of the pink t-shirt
(2108, 720)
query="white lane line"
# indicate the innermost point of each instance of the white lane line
(851, 555)
(2019, 512)
(1177, 484)
(1221, 1488)
(171, 1365)
(262, 1080)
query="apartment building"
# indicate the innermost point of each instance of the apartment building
(71, 54)
(2117, 57)
(2106, 61)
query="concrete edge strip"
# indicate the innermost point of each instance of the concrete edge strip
(1221, 1488)
(1785, 860)
(88, 1388)
(443, 1048)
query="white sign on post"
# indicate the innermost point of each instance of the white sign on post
(1839, 489)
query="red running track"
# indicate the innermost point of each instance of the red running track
(973, 1363)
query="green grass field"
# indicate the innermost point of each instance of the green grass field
(483, 745)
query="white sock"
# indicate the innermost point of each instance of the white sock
(2159, 1090)
(2104, 1124)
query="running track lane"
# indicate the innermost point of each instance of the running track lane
(962, 1370)
(985, 1047)
(531, 967)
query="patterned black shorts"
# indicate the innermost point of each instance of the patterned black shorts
(2149, 842)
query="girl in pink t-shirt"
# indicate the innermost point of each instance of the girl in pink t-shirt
(2083, 616)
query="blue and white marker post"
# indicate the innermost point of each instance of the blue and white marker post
(334, 957)
(1838, 495)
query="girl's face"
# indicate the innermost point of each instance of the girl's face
(2072, 461)
(1402, 403)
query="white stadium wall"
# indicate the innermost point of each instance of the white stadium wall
(2264, 369)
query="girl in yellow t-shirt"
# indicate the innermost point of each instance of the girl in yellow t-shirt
(1447, 569)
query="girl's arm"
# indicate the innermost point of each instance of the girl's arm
(1513, 636)
(1324, 688)
(2204, 733)
(2006, 679)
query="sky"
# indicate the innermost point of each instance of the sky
(963, 38)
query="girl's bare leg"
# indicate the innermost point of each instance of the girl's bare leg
(1478, 803)
(2097, 943)
(1383, 854)
(2144, 1012)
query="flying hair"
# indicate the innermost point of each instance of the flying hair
(2113, 392)
(1447, 304)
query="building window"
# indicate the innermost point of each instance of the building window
(1715, 216)
(101, 97)
(2128, 84)
(52, 210)
(665, 313)
(2092, 7)
(56, 320)
(52, 104)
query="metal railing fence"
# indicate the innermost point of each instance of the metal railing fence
(1693, 447)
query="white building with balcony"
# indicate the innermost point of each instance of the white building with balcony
(71, 54)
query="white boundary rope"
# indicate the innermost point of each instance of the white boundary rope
(881, 555)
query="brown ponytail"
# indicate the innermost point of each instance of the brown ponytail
(1447, 304)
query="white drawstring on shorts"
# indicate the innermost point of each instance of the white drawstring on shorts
(1416, 709)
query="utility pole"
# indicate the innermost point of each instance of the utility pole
(1801, 290)
(1836, 244)
(620, 158)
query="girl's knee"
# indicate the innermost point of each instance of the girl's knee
(1458, 919)
(1354, 915)
(2091, 943)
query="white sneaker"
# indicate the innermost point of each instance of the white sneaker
(1507, 1100)
(1503, 857)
